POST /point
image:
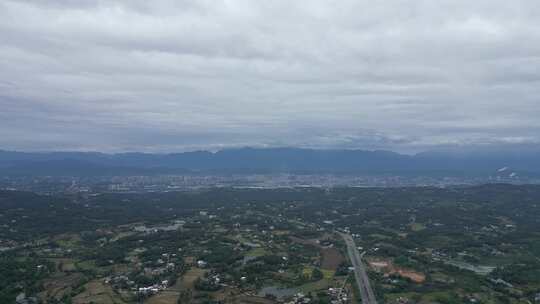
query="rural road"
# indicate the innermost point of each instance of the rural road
(366, 293)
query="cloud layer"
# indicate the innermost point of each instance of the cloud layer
(182, 75)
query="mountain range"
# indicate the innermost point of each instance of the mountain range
(292, 160)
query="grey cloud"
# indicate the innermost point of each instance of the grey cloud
(181, 75)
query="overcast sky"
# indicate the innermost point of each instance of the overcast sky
(163, 76)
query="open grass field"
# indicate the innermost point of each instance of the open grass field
(86, 265)
(99, 293)
(171, 294)
(379, 236)
(122, 235)
(60, 284)
(281, 232)
(250, 300)
(164, 297)
(64, 264)
(68, 241)
(323, 284)
(331, 258)
(256, 252)
(328, 274)
(307, 271)
(188, 279)
(417, 227)
(393, 297)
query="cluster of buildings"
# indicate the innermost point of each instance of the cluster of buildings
(299, 298)
(338, 295)
(153, 289)
(23, 299)
(119, 281)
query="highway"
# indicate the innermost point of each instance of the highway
(366, 293)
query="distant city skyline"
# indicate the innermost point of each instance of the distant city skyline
(174, 76)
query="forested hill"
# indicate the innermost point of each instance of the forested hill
(270, 160)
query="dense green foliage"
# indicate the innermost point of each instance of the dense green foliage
(444, 234)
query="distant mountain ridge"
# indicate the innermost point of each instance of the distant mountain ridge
(266, 160)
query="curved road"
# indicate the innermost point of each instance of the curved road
(366, 293)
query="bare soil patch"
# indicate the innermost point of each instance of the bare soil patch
(388, 268)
